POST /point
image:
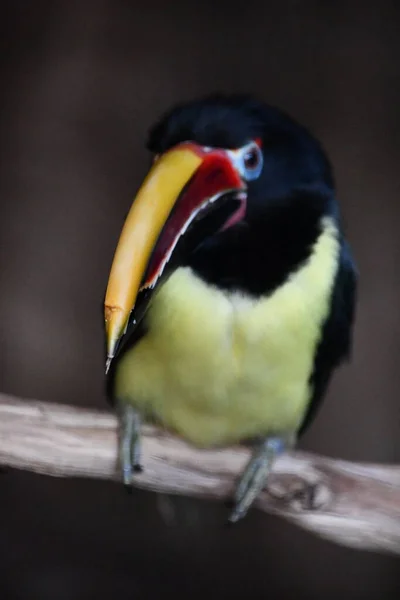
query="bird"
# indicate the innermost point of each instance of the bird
(232, 292)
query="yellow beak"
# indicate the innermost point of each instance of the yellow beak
(143, 225)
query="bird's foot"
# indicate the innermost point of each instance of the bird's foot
(254, 475)
(129, 442)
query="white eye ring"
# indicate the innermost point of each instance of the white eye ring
(248, 161)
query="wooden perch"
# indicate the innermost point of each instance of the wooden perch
(357, 505)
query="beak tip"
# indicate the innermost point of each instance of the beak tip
(115, 326)
(108, 364)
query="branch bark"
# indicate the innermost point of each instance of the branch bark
(356, 505)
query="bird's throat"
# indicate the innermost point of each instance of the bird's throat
(257, 256)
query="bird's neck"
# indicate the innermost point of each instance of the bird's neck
(258, 255)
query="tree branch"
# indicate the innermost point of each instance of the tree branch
(357, 505)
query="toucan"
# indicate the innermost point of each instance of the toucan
(232, 293)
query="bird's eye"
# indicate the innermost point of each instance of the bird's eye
(251, 161)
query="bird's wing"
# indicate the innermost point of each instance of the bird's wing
(336, 341)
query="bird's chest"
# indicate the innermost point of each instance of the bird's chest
(217, 368)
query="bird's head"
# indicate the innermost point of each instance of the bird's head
(218, 163)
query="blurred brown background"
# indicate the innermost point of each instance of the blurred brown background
(81, 82)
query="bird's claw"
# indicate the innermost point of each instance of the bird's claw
(254, 476)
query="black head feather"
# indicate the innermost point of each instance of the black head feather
(293, 156)
(218, 121)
